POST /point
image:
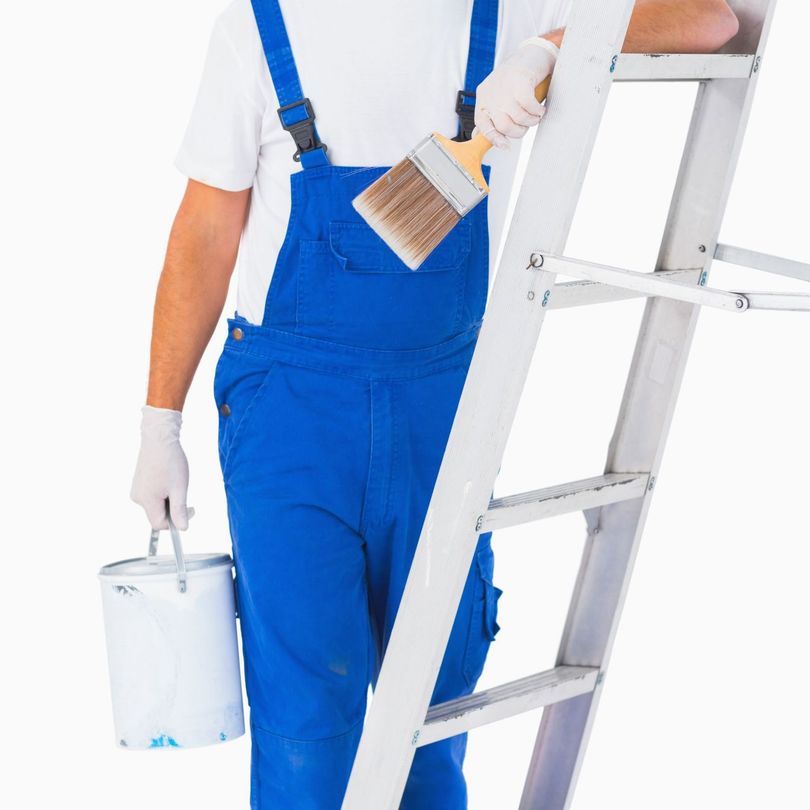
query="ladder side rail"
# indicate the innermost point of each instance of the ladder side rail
(713, 145)
(545, 208)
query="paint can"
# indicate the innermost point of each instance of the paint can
(170, 623)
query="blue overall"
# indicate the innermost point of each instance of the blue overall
(334, 416)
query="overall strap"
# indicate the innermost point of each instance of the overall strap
(480, 61)
(295, 110)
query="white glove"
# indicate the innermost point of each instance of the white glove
(162, 469)
(505, 105)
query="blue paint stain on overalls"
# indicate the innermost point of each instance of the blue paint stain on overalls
(339, 406)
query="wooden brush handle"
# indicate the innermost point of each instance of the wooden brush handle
(541, 91)
(470, 154)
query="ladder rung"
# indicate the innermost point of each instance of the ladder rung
(762, 261)
(661, 67)
(490, 705)
(584, 293)
(576, 496)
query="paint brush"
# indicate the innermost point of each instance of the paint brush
(416, 203)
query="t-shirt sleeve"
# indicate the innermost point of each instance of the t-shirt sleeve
(561, 14)
(222, 140)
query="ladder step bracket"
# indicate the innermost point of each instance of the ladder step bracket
(657, 284)
(663, 67)
(762, 261)
(650, 284)
(490, 705)
(577, 496)
(776, 301)
(585, 293)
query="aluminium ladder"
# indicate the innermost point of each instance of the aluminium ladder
(615, 504)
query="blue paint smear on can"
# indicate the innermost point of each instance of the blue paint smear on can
(164, 741)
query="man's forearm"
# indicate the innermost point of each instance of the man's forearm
(192, 289)
(675, 26)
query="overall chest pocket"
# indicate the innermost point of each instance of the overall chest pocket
(353, 289)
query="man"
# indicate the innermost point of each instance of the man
(342, 369)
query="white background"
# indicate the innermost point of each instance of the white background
(705, 705)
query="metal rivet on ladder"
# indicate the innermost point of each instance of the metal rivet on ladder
(536, 261)
(702, 248)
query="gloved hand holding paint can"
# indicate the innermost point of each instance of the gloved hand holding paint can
(160, 483)
(170, 623)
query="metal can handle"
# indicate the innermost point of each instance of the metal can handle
(179, 558)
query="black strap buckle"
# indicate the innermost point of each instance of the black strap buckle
(465, 108)
(302, 129)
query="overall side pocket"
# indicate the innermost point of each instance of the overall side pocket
(483, 617)
(239, 382)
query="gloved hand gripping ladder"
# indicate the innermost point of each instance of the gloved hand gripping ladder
(615, 503)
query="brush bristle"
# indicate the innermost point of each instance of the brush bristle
(408, 212)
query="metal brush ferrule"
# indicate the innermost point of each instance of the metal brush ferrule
(449, 177)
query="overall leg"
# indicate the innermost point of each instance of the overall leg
(295, 465)
(415, 418)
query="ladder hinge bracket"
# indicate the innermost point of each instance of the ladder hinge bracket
(536, 261)
(479, 523)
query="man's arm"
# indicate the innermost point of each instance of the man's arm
(675, 26)
(190, 296)
(505, 101)
(193, 285)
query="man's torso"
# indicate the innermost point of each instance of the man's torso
(380, 76)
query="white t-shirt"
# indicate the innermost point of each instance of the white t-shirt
(381, 74)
